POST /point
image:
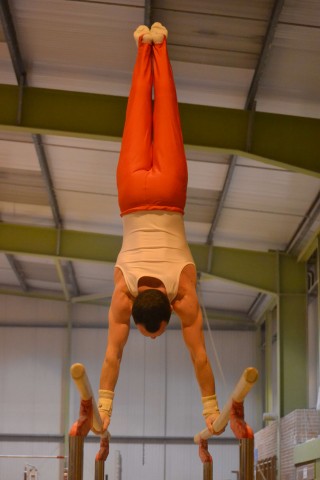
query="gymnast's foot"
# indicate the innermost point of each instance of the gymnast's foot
(143, 32)
(158, 32)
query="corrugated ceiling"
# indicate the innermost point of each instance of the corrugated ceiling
(216, 50)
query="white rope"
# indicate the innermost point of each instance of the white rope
(215, 352)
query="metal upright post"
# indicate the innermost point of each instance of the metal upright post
(75, 457)
(246, 459)
(99, 470)
(206, 459)
(207, 471)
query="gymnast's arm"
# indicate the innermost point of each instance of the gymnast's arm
(118, 332)
(188, 309)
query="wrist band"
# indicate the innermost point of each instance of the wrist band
(210, 405)
(105, 401)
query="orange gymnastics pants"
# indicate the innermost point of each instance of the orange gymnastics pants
(152, 169)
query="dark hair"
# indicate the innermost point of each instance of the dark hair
(150, 308)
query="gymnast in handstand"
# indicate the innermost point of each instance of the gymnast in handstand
(155, 272)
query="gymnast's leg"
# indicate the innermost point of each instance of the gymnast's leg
(169, 160)
(136, 150)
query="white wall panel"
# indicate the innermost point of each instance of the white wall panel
(140, 391)
(183, 462)
(154, 385)
(236, 351)
(183, 397)
(145, 462)
(31, 364)
(26, 311)
(139, 400)
(48, 469)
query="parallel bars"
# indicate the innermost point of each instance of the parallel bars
(242, 388)
(76, 442)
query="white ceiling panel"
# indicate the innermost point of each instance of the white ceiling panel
(255, 230)
(87, 45)
(68, 36)
(258, 9)
(7, 74)
(94, 278)
(305, 13)
(87, 211)
(16, 154)
(81, 143)
(132, 3)
(206, 175)
(272, 190)
(290, 81)
(7, 276)
(81, 170)
(248, 162)
(196, 232)
(26, 214)
(45, 286)
(216, 86)
(216, 294)
(205, 155)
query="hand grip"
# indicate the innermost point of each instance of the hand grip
(243, 387)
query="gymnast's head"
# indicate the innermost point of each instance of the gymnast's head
(151, 312)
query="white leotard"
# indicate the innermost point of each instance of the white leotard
(154, 245)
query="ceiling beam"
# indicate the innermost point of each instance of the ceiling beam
(21, 76)
(286, 141)
(18, 272)
(258, 270)
(249, 105)
(12, 42)
(267, 44)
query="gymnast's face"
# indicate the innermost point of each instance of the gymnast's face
(153, 335)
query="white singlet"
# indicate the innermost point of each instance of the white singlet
(154, 245)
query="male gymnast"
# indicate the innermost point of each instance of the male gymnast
(155, 272)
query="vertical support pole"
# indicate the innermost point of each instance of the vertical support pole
(246, 458)
(65, 416)
(207, 471)
(292, 335)
(318, 292)
(206, 459)
(75, 457)
(317, 470)
(99, 470)
(269, 407)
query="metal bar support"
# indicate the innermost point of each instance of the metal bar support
(75, 457)
(246, 447)
(99, 470)
(207, 471)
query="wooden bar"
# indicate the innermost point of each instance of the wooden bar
(243, 387)
(80, 378)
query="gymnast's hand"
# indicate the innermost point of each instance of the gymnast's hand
(210, 421)
(105, 419)
(211, 412)
(105, 407)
